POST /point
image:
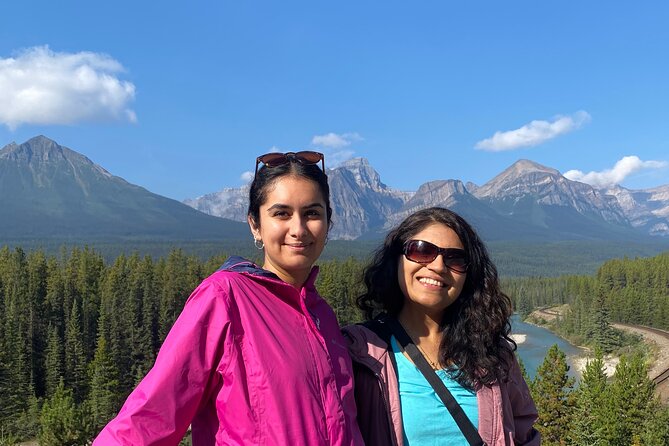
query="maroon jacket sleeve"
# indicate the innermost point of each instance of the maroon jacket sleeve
(523, 409)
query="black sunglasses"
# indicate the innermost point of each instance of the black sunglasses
(420, 251)
(304, 157)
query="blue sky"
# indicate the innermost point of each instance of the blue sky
(181, 97)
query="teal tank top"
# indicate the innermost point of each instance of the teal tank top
(425, 419)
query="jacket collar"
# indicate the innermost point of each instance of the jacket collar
(366, 347)
(239, 264)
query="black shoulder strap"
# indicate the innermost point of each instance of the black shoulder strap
(465, 425)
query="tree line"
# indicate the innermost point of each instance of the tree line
(77, 333)
(621, 411)
(632, 291)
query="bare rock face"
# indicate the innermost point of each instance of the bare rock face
(647, 210)
(232, 203)
(527, 199)
(528, 181)
(443, 193)
(360, 201)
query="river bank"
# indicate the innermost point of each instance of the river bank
(610, 361)
(534, 342)
(656, 340)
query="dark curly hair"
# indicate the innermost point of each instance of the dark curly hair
(476, 326)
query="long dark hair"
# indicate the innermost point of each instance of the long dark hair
(476, 326)
(267, 176)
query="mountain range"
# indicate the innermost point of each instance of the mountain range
(527, 201)
(50, 191)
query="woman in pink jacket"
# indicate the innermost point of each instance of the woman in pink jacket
(256, 357)
(433, 297)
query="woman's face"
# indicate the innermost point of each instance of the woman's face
(293, 227)
(430, 288)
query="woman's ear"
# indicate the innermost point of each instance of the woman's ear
(255, 230)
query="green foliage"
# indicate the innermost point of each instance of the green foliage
(75, 358)
(7, 438)
(656, 428)
(339, 282)
(61, 423)
(27, 424)
(53, 361)
(631, 401)
(551, 393)
(104, 397)
(634, 291)
(590, 412)
(97, 324)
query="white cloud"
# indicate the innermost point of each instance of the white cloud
(40, 86)
(335, 141)
(622, 169)
(247, 176)
(334, 147)
(333, 158)
(534, 133)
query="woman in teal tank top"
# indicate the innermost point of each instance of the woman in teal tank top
(433, 275)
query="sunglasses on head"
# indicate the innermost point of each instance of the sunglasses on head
(420, 251)
(304, 157)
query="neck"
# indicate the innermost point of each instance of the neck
(425, 333)
(419, 323)
(295, 279)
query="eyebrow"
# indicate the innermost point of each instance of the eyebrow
(285, 206)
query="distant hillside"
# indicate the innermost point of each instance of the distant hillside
(48, 191)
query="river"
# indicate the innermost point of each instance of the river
(536, 343)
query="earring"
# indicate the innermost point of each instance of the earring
(258, 243)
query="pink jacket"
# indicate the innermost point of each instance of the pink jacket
(250, 361)
(506, 411)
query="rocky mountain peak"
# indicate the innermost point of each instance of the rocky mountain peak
(523, 166)
(437, 193)
(42, 151)
(519, 173)
(525, 198)
(38, 149)
(363, 174)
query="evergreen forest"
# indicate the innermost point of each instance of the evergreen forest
(78, 332)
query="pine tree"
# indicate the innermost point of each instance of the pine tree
(75, 359)
(590, 412)
(632, 401)
(602, 334)
(146, 322)
(26, 425)
(17, 341)
(118, 327)
(551, 393)
(60, 421)
(523, 370)
(53, 361)
(37, 321)
(104, 396)
(656, 429)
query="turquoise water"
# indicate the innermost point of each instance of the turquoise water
(538, 341)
